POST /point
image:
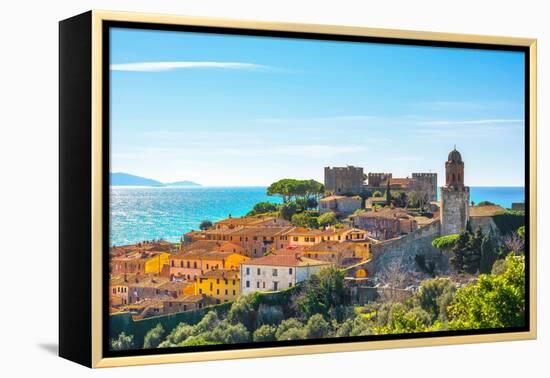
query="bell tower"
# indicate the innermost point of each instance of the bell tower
(454, 170)
(455, 197)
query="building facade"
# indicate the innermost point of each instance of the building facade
(455, 197)
(277, 271)
(340, 205)
(224, 285)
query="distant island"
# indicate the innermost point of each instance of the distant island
(126, 179)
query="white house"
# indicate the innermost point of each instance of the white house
(278, 270)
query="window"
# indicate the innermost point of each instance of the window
(211, 286)
(188, 264)
(275, 272)
(247, 271)
(195, 265)
(290, 284)
(172, 263)
(295, 238)
(184, 307)
(218, 281)
(217, 291)
(275, 285)
(259, 271)
(226, 291)
(234, 282)
(290, 271)
(207, 267)
(247, 283)
(114, 290)
(181, 264)
(263, 285)
(234, 292)
(225, 281)
(258, 284)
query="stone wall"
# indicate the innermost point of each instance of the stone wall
(404, 249)
(428, 181)
(454, 209)
(344, 180)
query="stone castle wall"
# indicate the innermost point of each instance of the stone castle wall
(430, 179)
(344, 180)
(404, 249)
(454, 209)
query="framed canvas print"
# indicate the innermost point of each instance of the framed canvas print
(235, 189)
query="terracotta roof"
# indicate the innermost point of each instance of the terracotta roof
(331, 246)
(400, 181)
(485, 211)
(285, 259)
(137, 256)
(260, 231)
(147, 281)
(202, 245)
(387, 213)
(175, 285)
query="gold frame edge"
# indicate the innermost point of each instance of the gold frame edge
(98, 361)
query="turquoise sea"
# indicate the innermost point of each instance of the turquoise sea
(144, 213)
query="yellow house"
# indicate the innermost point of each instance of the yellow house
(139, 263)
(339, 253)
(224, 285)
(155, 263)
(191, 265)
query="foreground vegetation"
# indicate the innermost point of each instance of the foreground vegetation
(321, 308)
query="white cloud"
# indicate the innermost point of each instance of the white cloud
(318, 119)
(471, 122)
(170, 66)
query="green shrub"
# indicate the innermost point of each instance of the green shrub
(264, 333)
(286, 326)
(327, 219)
(263, 208)
(154, 337)
(509, 221)
(123, 342)
(445, 243)
(317, 327)
(305, 219)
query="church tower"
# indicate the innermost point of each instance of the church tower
(455, 197)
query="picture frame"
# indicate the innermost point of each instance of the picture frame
(85, 106)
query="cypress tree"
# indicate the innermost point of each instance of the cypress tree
(388, 193)
(488, 253)
(472, 256)
(459, 251)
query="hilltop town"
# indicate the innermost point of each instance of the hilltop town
(386, 235)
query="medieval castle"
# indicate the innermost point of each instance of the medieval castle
(454, 196)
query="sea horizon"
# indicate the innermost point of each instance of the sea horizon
(157, 212)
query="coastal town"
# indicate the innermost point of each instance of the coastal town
(365, 229)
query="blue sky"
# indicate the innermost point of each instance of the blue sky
(235, 110)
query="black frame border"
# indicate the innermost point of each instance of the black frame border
(106, 27)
